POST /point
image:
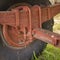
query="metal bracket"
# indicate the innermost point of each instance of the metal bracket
(24, 23)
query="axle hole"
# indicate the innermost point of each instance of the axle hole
(57, 43)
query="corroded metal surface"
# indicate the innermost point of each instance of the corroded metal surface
(47, 36)
(18, 24)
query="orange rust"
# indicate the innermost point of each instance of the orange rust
(46, 36)
(19, 24)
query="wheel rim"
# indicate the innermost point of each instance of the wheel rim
(11, 36)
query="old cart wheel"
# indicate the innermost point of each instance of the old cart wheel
(22, 54)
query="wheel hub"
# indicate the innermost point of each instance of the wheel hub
(14, 37)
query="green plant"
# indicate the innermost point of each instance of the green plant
(50, 53)
(34, 57)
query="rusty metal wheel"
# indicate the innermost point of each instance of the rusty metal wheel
(11, 37)
(8, 33)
